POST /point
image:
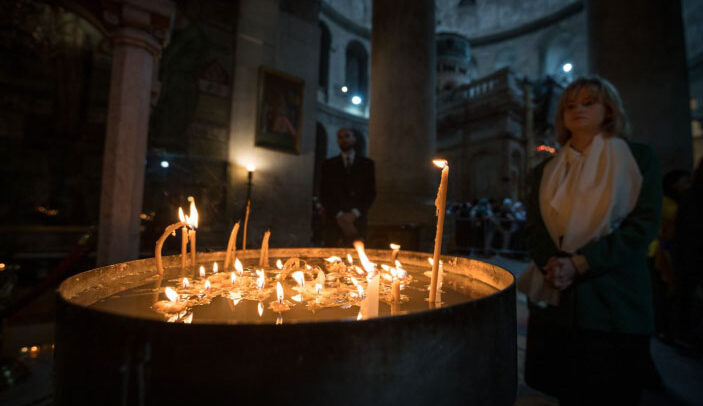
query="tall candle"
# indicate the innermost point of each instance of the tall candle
(193, 223)
(160, 243)
(246, 222)
(231, 245)
(184, 239)
(441, 205)
(264, 253)
(395, 251)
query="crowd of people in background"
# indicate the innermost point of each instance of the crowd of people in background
(488, 227)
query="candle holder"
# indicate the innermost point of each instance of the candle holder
(413, 353)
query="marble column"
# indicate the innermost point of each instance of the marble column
(133, 60)
(402, 122)
(639, 46)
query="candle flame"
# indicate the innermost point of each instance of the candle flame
(251, 168)
(308, 267)
(401, 273)
(359, 316)
(318, 288)
(279, 264)
(398, 264)
(431, 261)
(279, 292)
(368, 266)
(385, 267)
(440, 163)
(299, 277)
(193, 215)
(354, 281)
(387, 277)
(394, 246)
(188, 318)
(181, 216)
(298, 298)
(238, 266)
(202, 271)
(185, 283)
(171, 295)
(207, 284)
(350, 259)
(261, 309)
(279, 320)
(214, 267)
(232, 278)
(360, 289)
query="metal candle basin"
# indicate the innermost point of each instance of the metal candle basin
(460, 354)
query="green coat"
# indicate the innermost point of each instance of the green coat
(615, 293)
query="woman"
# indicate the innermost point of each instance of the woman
(594, 208)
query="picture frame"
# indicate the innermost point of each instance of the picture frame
(279, 118)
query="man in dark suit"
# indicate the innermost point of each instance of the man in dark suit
(347, 190)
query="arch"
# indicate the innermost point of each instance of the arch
(356, 70)
(324, 65)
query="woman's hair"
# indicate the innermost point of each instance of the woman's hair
(615, 122)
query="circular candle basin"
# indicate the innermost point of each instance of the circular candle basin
(461, 352)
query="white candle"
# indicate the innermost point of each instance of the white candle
(441, 205)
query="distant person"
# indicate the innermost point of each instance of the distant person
(688, 265)
(507, 224)
(661, 251)
(347, 190)
(593, 209)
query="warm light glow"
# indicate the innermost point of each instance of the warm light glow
(34, 348)
(261, 280)
(546, 148)
(360, 289)
(279, 264)
(238, 266)
(386, 267)
(251, 168)
(398, 264)
(279, 292)
(232, 278)
(261, 309)
(214, 268)
(308, 267)
(369, 267)
(279, 320)
(181, 216)
(202, 271)
(354, 281)
(430, 260)
(299, 277)
(388, 277)
(440, 163)
(298, 298)
(318, 288)
(358, 270)
(171, 295)
(350, 259)
(193, 215)
(333, 259)
(395, 246)
(24, 349)
(207, 284)
(401, 273)
(2, 266)
(186, 284)
(359, 316)
(188, 318)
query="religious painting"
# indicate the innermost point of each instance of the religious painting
(280, 111)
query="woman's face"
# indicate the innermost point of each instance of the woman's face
(583, 113)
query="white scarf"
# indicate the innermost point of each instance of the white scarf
(582, 197)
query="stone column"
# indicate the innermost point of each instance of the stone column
(134, 51)
(639, 46)
(402, 123)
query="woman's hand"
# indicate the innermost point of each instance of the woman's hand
(560, 272)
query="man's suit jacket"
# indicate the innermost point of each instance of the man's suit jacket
(343, 189)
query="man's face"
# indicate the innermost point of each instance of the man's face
(346, 140)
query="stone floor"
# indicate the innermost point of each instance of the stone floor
(682, 374)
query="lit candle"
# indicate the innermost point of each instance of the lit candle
(231, 245)
(264, 253)
(184, 239)
(202, 271)
(214, 268)
(160, 244)
(370, 303)
(232, 278)
(193, 223)
(246, 222)
(207, 284)
(395, 251)
(395, 286)
(185, 283)
(441, 205)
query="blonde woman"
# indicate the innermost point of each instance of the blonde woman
(593, 210)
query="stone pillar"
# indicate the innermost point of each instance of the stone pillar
(134, 51)
(402, 123)
(639, 46)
